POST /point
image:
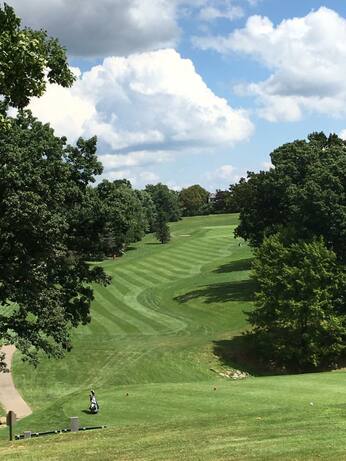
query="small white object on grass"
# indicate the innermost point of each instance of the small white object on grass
(311, 403)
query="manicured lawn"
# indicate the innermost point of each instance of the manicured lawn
(266, 418)
(148, 354)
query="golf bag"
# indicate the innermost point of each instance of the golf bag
(94, 406)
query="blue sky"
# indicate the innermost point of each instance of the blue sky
(194, 91)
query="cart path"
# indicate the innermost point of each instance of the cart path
(10, 399)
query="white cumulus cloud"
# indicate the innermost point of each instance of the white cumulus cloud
(306, 58)
(144, 109)
(222, 9)
(112, 162)
(224, 172)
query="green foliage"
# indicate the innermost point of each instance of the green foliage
(122, 214)
(193, 199)
(162, 231)
(166, 201)
(305, 194)
(88, 224)
(303, 200)
(220, 201)
(261, 203)
(25, 57)
(300, 320)
(227, 201)
(42, 183)
(44, 279)
(149, 210)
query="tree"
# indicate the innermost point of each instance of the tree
(295, 216)
(27, 59)
(44, 288)
(88, 225)
(305, 194)
(219, 201)
(122, 215)
(300, 320)
(227, 201)
(192, 199)
(166, 201)
(162, 231)
(149, 210)
(44, 281)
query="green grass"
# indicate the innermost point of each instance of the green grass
(149, 352)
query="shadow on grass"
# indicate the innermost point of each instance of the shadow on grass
(235, 266)
(242, 290)
(130, 248)
(153, 243)
(241, 353)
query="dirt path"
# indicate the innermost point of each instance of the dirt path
(10, 399)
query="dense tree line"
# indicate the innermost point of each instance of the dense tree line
(295, 218)
(195, 200)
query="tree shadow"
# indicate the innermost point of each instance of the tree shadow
(241, 353)
(153, 243)
(242, 290)
(130, 248)
(235, 266)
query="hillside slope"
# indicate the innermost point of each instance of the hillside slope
(148, 353)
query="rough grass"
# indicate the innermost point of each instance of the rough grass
(155, 336)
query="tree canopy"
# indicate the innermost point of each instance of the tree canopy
(123, 216)
(44, 280)
(27, 58)
(162, 231)
(305, 194)
(192, 200)
(300, 323)
(166, 201)
(295, 216)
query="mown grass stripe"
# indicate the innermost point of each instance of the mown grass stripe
(133, 323)
(128, 309)
(168, 272)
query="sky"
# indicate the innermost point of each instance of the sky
(193, 91)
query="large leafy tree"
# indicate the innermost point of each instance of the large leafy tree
(122, 214)
(305, 194)
(229, 201)
(295, 215)
(300, 320)
(149, 210)
(28, 58)
(220, 202)
(192, 200)
(166, 201)
(44, 280)
(162, 231)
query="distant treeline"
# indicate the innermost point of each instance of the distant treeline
(116, 215)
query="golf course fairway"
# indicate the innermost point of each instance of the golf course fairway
(151, 353)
